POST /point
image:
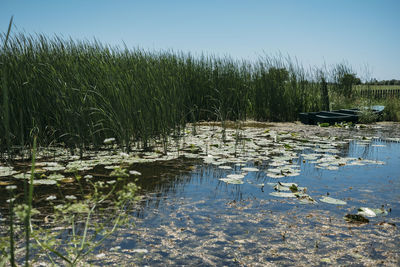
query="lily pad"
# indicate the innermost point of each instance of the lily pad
(235, 176)
(134, 173)
(282, 194)
(368, 212)
(6, 171)
(224, 167)
(331, 200)
(44, 182)
(109, 141)
(275, 175)
(304, 198)
(355, 218)
(56, 176)
(232, 181)
(250, 169)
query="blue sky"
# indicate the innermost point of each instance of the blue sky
(363, 33)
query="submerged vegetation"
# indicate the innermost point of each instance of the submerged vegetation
(78, 93)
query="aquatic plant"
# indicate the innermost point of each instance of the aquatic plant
(392, 110)
(81, 232)
(78, 93)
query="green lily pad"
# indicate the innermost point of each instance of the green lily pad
(224, 167)
(275, 175)
(134, 173)
(250, 169)
(369, 212)
(235, 176)
(56, 176)
(355, 218)
(7, 171)
(304, 198)
(282, 194)
(232, 181)
(44, 182)
(109, 141)
(333, 201)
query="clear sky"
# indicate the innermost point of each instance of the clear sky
(363, 33)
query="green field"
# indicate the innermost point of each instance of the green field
(375, 87)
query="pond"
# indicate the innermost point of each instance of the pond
(265, 195)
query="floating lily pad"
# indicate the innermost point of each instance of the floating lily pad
(331, 200)
(282, 194)
(54, 168)
(250, 169)
(134, 173)
(275, 175)
(56, 176)
(225, 167)
(304, 198)
(52, 197)
(235, 176)
(5, 183)
(109, 141)
(70, 197)
(22, 175)
(44, 182)
(288, 187)
(355, 218)
(368, 212)
(140, 250)
(7, 171)
(232, 181)
(68, 180)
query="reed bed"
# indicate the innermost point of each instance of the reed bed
(78, 93)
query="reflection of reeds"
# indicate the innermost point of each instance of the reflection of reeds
(79, 93)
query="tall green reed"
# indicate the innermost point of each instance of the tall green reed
(79, 93)
(6, 111)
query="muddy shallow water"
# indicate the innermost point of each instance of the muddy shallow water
(194, 213)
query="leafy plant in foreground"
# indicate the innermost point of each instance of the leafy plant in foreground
(80, 230)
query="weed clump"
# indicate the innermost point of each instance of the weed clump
(392, 110)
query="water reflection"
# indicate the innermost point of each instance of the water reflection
(189, 216)
(244, 224)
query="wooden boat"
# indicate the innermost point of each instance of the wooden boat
(336, 116)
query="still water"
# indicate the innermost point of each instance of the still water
(237, 197)
(195, 218)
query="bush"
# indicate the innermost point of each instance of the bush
(392, 110)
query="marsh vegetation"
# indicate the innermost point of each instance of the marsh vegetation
(103, 116)
(77, 93)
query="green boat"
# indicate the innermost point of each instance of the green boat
(337, 116)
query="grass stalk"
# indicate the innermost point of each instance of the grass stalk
(11, 228)
(29, 205)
